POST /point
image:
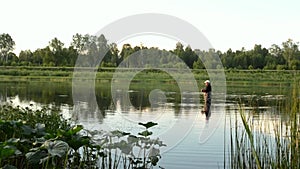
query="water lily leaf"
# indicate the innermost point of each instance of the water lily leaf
(145, 133)
(124, 147)
(148, 125)
(40, 126)
(7, 151)
(119, 133)
(13, 140)
(35, 157)
(27, 130)
(78, 141)
(75, 129)
(56, 148)
(132, 139)
(40, 129)
(9, 167)
(60, 133)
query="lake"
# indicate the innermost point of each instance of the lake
(193, 139)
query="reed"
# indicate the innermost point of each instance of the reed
(267, 143)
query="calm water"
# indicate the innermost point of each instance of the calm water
(194, 140)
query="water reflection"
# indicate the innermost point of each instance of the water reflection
(143, 99)
(55, 93)
(162, 103)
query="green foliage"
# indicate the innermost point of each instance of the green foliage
(43, 139)
(251, 140)
(88, 50)
(6, 46)
(148, 125)
(252, 147)
(124, 150)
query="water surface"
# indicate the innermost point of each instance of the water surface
(194, 140)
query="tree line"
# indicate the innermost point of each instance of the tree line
(89, 47)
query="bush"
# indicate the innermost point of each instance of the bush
(281, 67)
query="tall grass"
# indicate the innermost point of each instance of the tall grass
(269, 143)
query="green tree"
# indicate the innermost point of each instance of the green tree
(198, 64)
(79, 41)
(228, 59)
(179, 50)
(56, 45)
(26, 57)
(57, 49)
(274, 57)
(275, 50)
(241, 59)
(91, 50)
(290, 50)
(47, 56)
(71, 56)
(6, 46)
(257, 57)
(39, 56)
(189, 56)
(114, 54)
(12, 59)
(125, 52)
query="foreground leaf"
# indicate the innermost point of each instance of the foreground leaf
(56, 148)
(148, 125)
(145, 133)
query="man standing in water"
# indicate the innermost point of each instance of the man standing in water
(207, 97)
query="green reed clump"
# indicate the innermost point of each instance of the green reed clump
(270, 143)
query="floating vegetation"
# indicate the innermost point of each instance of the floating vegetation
(44, 139)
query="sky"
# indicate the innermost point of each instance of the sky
(226, 24)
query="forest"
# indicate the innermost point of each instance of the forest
(285, 56)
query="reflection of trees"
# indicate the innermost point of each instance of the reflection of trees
(91, 102)
(140, 99)
(59, 93)
(41, 92)
(103, 97)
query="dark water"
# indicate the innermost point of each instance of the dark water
(194, 140)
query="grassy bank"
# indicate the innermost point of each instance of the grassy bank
(66, 73)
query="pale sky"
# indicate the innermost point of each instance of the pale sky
(225, 23)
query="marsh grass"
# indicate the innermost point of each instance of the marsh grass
(267, 143)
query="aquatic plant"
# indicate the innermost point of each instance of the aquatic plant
(44, 139)
(272, 144)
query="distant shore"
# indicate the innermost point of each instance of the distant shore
(24, 73)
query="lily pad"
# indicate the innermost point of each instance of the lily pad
(56, 148)
(145, 133)
(148, 124)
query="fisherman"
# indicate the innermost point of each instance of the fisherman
(207, 97)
